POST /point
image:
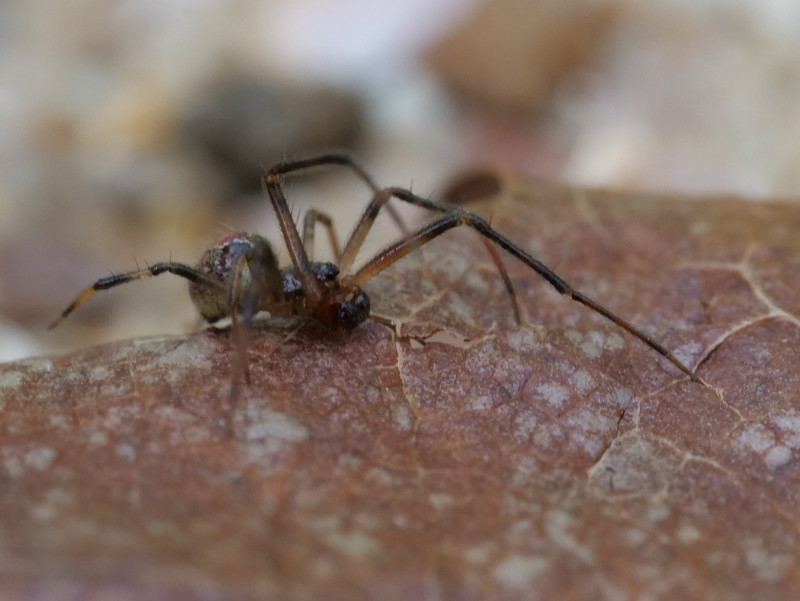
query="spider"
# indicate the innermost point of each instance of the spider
(239, 276)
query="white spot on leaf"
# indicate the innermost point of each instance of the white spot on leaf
(582, 381)
(13, 467)
(481, 553)
(518, 571)
(777, 456)
(356, 545)
(272, 424)
(756, 438)
(688, 534)
(402, 415)
(11, 379)
(127, 452)
(440, 500)
(522, 339)
(481, 403)
(40, 459)
(554, 394)
(768, 566)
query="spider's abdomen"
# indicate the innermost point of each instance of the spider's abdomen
(244, 261)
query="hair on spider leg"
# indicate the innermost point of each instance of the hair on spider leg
(239, 276)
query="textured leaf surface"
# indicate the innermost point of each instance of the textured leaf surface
(465, 457)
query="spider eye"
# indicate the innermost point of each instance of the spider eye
(354, 312)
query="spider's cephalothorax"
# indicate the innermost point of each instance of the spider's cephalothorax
(239, 276)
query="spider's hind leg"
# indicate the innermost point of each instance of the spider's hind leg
(179, 269)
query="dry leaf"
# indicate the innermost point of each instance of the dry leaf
(464, 458)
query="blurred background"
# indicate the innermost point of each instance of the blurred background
(133, 131)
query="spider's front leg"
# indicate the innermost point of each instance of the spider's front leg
(380, 196)
(455, 217)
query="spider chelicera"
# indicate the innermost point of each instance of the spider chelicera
(240, 276)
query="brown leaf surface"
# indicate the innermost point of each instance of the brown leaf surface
(465, 458)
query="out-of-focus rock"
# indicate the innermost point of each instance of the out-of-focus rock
(239, 126)
(512, 54)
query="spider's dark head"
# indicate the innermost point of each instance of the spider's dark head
(348, 308)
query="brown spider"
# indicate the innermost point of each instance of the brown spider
(239, 276)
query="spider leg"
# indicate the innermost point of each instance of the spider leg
(411, 198)
(501, 269)
(360, 231)
(380, 197)
(309, 222)
(271, 182)
(255, 283)
(371, 212)
(111, 281)
(455, 217)
(240, 335)
(286, 167)
(311, 286)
